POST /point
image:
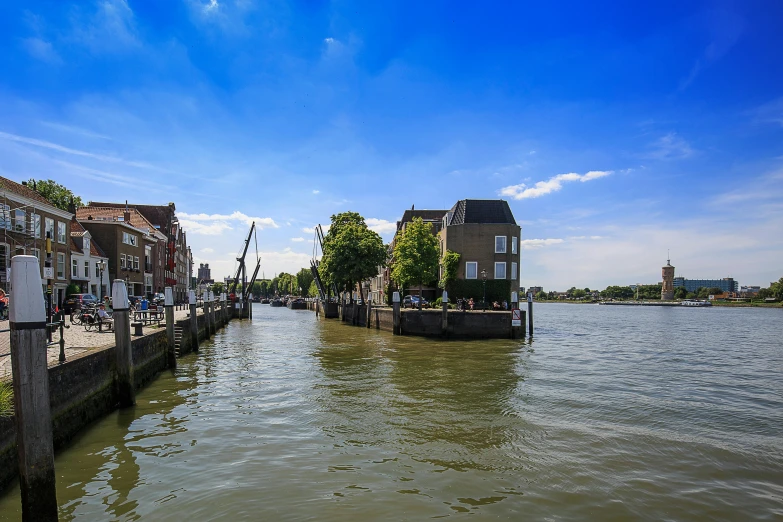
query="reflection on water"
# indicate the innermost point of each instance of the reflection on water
(610, 414)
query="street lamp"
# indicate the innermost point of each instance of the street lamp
(484, 277)
(101, 268)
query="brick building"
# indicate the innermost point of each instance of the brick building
(89, 263)
(25, 218)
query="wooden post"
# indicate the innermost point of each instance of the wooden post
(369, 310)
(207, 315)
(212, 324)
(193, 320)
(530, 313)
(396, 312)
(223, 308)
(32, 409)
(169, 308)
(514, 306)
(445, 318)
(126, 389)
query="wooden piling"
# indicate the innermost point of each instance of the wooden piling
(396, 313)
(171, 354)
(369, 312)
(444, 328)
(126, 389)
(193, 320)
(212, 312)
(32, 410)
(530, 313)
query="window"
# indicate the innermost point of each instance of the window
(471, 270)
(19, 220)
(5, 217)
(60, 266)
(61, 232)
(49, 227)
(129, 239)
(74, 268)
(122, 261)
(514, 244)
(136, 262)
(87, 269)
(500, 270)
(514, 270)
(500, 244)
(86, 246)
(36, 221)
(3, 258)
(97, 271)
(36, 253)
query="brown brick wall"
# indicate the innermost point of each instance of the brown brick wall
(476, 242)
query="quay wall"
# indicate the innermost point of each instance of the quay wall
(83, 389)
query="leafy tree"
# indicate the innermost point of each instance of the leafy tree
(776, 289)
(450, 264)
(219, 287)
(351, 253)
(304, 278)
(58, 195)
(312, 290)
(541, 296)
(587, 290)
(257, 289)
(578, 294)
(416, 255)
(680, 293)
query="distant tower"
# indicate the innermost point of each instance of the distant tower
(667, 290)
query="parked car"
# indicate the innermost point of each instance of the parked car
(77, 301)
(159, 299)
(412, 301)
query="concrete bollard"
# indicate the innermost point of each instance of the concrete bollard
(445, 317)
(126, 389)
(32, 410)
(193, 320)
(171, 354)
(396, 313)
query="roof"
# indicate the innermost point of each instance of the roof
(483, 211)
(137, 220)
(77, 241)
(23, 190)
(158, 215)
(76, 228)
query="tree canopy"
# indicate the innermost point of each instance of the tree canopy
(58, 195)
(450, 264)
(351, 252)
(416, 255)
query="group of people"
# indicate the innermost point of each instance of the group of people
(465, 304)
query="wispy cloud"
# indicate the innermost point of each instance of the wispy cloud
(207, 250)
(297, 239)
(316, 191)
(74, 130)
(725, 29)
(110, 28)
(42, 50)
(669, 147)
(533, 244)
(77, 152)
(381, 226)
(771, 112)
(216, 224)
(553, 184)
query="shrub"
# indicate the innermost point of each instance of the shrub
(438, 303)
(6, 399)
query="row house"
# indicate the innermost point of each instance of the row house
(89, 263)
(129, 242)
(25, 219)
(172, 263)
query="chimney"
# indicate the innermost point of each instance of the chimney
(71, 207)
(126, 215)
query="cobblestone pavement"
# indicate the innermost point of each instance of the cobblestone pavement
(77, 340)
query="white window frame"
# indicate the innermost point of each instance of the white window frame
(122, 261)
(5, 217)
(136, 262)
(475, 271)
(61, 232)
(514, 245)
(36, 224)
(36, 252)
(505, 244)
(498, 264)
(514, 270)
(60, 262)
(86, 269)
(49, 227)
(97, 269)
(74, 264)
(20, 226)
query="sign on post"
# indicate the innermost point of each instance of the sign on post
(516, 317)
(530, 297)
(48, 272)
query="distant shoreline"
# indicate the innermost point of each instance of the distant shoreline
(714, 303)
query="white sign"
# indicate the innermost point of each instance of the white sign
(513, 297)
(396, 297)
(516, 317)
(530, 297)
(48, 272)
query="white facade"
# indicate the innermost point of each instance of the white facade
(86, 272)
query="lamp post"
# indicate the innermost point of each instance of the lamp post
(101, 268)
(484, 278)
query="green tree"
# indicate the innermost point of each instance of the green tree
(541, 296)
(218, 287)
(312, 290)
(304, 279)
(351, 253)
(450, 264)
(776, 289)
(578, 294)
(257, 289)
(58, 195)
(416, 255)
(680, 292)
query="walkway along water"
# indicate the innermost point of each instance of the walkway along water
(85, 387)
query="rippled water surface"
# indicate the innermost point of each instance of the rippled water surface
(611, 413)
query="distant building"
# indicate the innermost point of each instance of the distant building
(535, 289)
(749, 290)
(727, 284)
(205, 274)
(667, 290)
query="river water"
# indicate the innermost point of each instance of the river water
(610, 414)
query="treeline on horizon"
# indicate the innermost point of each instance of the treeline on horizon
(651, 292)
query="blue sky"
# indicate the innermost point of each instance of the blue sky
(616, 131)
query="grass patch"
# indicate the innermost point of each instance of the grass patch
(6, 399)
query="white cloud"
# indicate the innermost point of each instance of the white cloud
(213, 4)
(309, 230)
(669, 147)
(329, 40)
(316, 191)
(213, 224)
(381, 226)
(111, 28)
(553, 184)
(532, 244)
(41, 50)
(207, 250)
(297, 239)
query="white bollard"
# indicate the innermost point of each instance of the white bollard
(126, 389)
